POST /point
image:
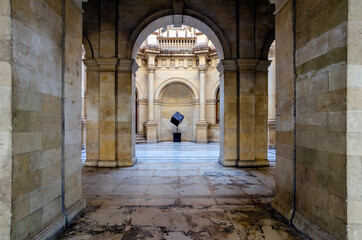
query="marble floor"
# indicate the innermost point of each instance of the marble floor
(169, 194)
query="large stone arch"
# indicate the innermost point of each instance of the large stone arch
(163, 18)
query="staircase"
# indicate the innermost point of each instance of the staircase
(140, 139)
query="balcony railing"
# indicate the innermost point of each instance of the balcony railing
(173, 44)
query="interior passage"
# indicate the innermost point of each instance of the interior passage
(179, 191)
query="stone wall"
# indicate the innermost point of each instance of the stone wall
(321, 50)
(5, 119)
(45, 84)
(327, 66)
(354, 120)
(284, 113)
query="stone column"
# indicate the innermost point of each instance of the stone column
(201, 126)
(92, 117)
(228, 112)
(107, 112)
(151, 125)
(126, 112)
(261, 113)
(151, 78)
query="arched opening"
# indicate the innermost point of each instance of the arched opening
(175, 62)
(272, 105)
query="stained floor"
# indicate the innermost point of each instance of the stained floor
(169, 194)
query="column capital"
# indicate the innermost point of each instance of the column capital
(263, 66)
(127, 65)
(247, 64)
(107, 64)
(227, 65)
(202, 68)
(91, 65)
(152, 51)
(151, 69)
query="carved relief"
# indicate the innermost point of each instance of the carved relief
(181, 63)
(189, 63)
(163, 62)
(172, 62)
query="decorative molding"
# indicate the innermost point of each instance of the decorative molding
(247, 64)
(91, 65)
(127, 65)
(107, 64)
(227, 65)
(263, 66)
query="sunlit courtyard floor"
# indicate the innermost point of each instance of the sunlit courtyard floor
(179, 191)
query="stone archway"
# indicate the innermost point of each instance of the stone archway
(148, 26)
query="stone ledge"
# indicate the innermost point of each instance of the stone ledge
(58, 223)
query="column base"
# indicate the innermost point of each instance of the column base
(91, 162)
(127, 163)
(110, 163)
(201, 132)
(151, 131)
(243, 163)
(253, 163)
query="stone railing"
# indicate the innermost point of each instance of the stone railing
(177, 44)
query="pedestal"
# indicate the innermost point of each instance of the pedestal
(201, 132)
(151, 132)
(176, 137)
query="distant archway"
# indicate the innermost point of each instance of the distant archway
(139, 36)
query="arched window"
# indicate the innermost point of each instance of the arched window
(218, 106)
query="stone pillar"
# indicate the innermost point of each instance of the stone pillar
(107, 112)
(246, 106)
(151, 78)
(201, 126)
(151, 125)
(228, 112)
(202, 94)
(243, 113)
(261, 113)
(92, 117)
(126, 112)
